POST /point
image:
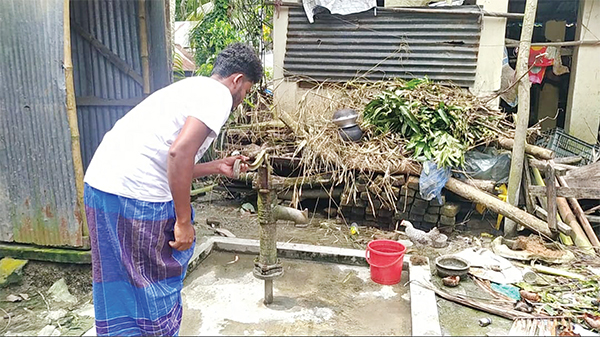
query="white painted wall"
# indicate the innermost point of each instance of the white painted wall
(583, 108)
(491, 49)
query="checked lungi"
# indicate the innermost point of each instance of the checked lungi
(137, 276)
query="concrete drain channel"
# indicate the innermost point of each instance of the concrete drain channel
(324, 291)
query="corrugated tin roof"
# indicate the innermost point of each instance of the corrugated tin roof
(38, 201)
(388, 45)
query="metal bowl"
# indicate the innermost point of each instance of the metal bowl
(449, 265)
(345, 118)
(352, 133)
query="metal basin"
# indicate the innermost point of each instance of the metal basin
(345, 118)
(449, 265)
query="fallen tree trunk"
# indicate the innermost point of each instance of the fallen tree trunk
(533, 150)
(484, 185)
(519, 216)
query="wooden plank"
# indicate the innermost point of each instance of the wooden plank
(106, 52)
(559, 169)
(526, 181)
(423, 306)
(551, 197)
(28, 252)
(568, 192)
(562, 227)
(97, 101)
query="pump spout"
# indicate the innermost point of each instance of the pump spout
(290, 214)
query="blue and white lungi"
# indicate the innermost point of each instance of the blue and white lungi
(137, 276)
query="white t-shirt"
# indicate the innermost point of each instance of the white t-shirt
(131, 160)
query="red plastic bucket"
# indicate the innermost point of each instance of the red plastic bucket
(385, 258)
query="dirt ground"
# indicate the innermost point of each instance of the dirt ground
(30, 316)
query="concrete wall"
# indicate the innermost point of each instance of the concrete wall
(583, 108)
(491, 49)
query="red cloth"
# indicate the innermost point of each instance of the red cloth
(539, 63)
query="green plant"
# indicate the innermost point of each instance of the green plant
(435, 129)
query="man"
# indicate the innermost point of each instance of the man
(137, 195)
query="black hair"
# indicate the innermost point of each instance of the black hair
(238, 58)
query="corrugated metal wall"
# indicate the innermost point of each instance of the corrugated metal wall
(37, 189)
(115, 24)
(442, 47)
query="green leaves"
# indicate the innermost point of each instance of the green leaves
(436, 128)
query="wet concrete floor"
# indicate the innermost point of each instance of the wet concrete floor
(222, 297)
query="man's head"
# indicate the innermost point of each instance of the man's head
(238, 67)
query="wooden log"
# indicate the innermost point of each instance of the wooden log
(519, 216)
(484, 185)
(587, 227)
(568, 160)
(538, 152)
(568, 192)
(551, 197)
(560, 170)
(593, 218)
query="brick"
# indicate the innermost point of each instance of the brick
(396, 191)
(345, 210)
(401, 216)
(361, 187)
(450, 209)
(435, 202)
(415, 217)
(407, 192)
(370, 211)
(447, 220)
(418, 210)
(374, 189)
(331, 211)
(433, 209)
(418, 203)
(413, 183)
(376, 203)
(359, 203)
(370, 223)
(385, 223)
(446, 229)
(398, 181)
(408, 200)
(360, 211)
(432, 218)
(364, 195)
(384, 213)
(427, 226)
(369, 217)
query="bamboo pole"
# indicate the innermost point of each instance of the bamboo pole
(587, 227)
(72, 117)
(144, 47)
(518, 152)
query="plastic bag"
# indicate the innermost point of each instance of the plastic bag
(432, 180)
(487, 166)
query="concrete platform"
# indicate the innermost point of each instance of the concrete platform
(329, 293)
